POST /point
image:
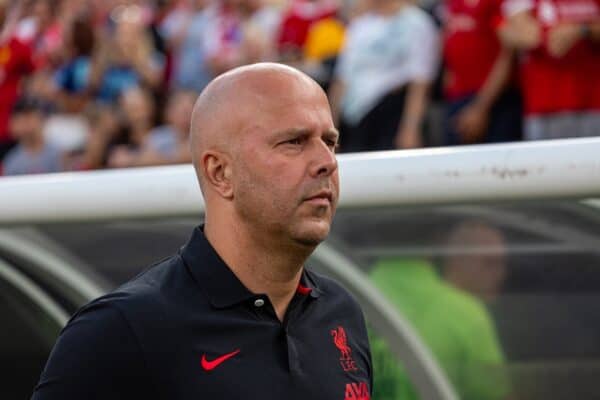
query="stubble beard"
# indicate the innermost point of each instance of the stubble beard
(310, 230)
(310, 241)
(267, 212)
(268, 215)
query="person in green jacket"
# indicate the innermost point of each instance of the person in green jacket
(452, 322)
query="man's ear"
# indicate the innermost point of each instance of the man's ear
(217, 171)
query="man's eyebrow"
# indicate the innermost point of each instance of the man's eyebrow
(290, 132)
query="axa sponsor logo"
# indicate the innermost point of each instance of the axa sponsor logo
(341, 342)
(357, 391)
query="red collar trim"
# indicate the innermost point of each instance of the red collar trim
(303, 290)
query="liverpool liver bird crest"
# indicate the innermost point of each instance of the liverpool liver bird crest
(341, 342)
(339, 338)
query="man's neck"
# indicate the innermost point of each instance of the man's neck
(263, 266)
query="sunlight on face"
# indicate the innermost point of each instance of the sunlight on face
(286, 174)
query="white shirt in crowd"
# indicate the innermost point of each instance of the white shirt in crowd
(383, 53)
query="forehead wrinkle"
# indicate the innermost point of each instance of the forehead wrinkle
(299, 130)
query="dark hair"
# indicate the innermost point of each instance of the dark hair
(27, 104)
(82, 36)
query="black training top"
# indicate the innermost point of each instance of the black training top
(188, 329)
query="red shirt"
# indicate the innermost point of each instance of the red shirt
(470, 44)
(15, 62)
(569, 83)
(298, 20)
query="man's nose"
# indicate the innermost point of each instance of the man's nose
(324, 160)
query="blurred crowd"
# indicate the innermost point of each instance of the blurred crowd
(88, 84)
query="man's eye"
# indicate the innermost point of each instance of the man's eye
(296, 141)
(332, 144)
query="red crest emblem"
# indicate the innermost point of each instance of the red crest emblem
(341, 342)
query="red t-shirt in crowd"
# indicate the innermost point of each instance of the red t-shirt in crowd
(298, 19)
(569, 83)
(471, 45)
(15, 62)
(43, 44)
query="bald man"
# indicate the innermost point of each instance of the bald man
(234, 314)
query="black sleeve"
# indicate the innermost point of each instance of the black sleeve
(96, 356)
(365, 334)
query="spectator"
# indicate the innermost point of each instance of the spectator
(260, 24)
(224, 44)
(15, 63)
(296, 23)
(483, 105)
(117, 136)
(169, 20)
(32, 155)
(99, 11)
(186, 34)
(481, 270)
(68, 10)
(125, 58)
(68, 129)
(166, 144)
(323, 43)
(455, 326)
(559, 42)
(139, 117)
(380, 91)
(264, 14)
(43, 32)
(72, 77)
(448, 310)
(324, 39)
(104, 126)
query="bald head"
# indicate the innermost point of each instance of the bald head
(235, 100)
(263, 144)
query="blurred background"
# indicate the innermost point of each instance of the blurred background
(88, 84)
(505, 296)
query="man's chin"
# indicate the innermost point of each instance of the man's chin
(312, 236)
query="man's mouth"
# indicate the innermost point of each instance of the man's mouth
(324, 197)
